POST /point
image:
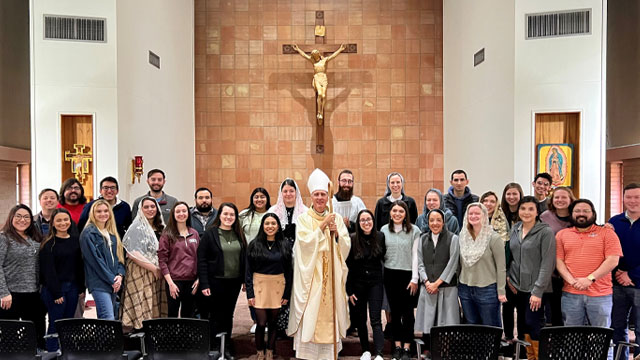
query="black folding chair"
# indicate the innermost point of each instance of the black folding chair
(93, 339)
(18, 341)
(469, 342)
(176, 339)
(576, 343)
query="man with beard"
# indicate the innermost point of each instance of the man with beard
(72, 198)
(156, 181)
(345, 203)
(626, 285)
(121, 210)
(585, 256)
(203, 214)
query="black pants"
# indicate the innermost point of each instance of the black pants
(534, 320)
(222, 304)
(184, 298)
(28, 306)
(369, 294)
(554, 314)
(508, 309)
(401, 303)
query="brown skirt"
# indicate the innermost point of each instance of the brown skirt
(268, 290)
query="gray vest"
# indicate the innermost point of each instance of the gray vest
(436, 259)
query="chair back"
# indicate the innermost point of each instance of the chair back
(574, 342)
(457, 342)
(176, 338)
(17, 340)
(90, 339)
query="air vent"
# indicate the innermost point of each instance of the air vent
(154, 59)
(557, 24)
(74, 28)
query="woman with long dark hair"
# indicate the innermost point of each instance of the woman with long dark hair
(533, 250)
(511, 196)
(178, 261)
(251, 217)
(62, 271)
(143, 297)
(401, 276)
(19, 247)
(221, 269)
(268, 279)
(365, 284)
(103, 256)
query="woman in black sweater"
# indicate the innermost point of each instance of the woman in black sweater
(365, 281)
(394, 192)
(221, 270)
(62, 272)
(268, 280)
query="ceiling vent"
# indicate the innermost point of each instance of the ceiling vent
(559, 23)
(57, 27)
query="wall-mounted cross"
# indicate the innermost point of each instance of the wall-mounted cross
(319, 54)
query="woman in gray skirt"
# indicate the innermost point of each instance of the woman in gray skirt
(438, 254)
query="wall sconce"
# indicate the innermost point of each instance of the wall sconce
(136, 169)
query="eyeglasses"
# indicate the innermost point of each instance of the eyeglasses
(364, 221)
(109, 188)
(346, 181)
(585, 212)
(75, 187)
(22, 217)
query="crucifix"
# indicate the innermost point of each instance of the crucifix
(79, 161)
(319, 54)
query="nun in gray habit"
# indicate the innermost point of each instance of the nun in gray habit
(438, 255)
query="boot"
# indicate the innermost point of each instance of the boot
(269, 355)
(535, 345)
(260, 355)
(531, 353)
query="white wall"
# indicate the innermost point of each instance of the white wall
(138, 109)
(560, 74)
(71, 77)
(489, 110)
(156, 106)
(478, 101)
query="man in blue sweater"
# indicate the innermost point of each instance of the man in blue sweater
(121, 209)
(626, 283)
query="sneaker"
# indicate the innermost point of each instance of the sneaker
(397, 353)
(379, 357)
(406, 355)
(365, 356)
(253, 329)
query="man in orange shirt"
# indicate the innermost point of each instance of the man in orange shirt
(585, 256)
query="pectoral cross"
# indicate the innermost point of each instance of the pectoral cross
(79, 161)
(319, 54)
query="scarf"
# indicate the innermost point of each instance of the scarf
(281, 210)
(140, 240)
(472, 250)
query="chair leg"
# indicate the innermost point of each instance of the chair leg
(222, 336)
(419, 344)
(517, 343)
(628, 345)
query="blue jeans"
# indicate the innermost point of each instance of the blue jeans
(480, 305)
(105, 304)
(578, 310)
(626, 301)
(66, 310)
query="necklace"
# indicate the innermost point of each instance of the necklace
(270, 244)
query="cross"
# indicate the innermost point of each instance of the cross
(79, 161)
(324, 49)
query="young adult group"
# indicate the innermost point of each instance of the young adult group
(466, 258)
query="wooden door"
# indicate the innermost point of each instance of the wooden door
(77, 131)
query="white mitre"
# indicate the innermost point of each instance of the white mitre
(318, 180)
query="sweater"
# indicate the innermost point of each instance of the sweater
(629, 236)
(489, 269)
(211, 258)
(180, 259)
(555, 222)
(402, 250)
(101, 265)
(60, 262)
(383, 209)
(532, 258)
(197, 224)
(18, 266)
(274, 264)
(367, 270)
(458, 205)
